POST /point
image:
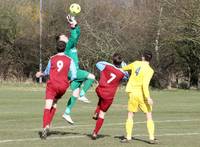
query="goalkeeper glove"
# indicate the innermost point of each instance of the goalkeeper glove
(72, 21)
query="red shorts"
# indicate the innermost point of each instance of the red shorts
(54, 92)
(104, 104)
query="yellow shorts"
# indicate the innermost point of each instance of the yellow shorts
(136, 99)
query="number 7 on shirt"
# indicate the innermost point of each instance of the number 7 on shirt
(112, 77)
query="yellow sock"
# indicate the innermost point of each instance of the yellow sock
(129, 128)
(150, 127)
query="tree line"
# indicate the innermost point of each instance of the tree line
(169, 28)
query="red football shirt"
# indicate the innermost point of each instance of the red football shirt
(110, 78)
(60, 65)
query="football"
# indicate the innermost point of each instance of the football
(75, 8)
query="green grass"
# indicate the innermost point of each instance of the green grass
(176, 116)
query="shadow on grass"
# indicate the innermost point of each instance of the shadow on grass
(59, 133)
(133, 138)
(98, 136)
(62, 133)
(140, 139)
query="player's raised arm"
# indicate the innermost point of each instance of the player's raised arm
(74, 33)
(73, 70)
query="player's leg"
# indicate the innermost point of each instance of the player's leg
(103, 106)
(147, 109)
(71, 102)
(129, 125)
(46, 118)
(97, 110)
(88, 79)
(49, 98)
(46, 115)
(151, 128)
(99, 124)
(87, 84)
(53, 111)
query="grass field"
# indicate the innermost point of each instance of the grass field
(176, 116)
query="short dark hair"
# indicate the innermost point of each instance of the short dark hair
(60, 46)
(117, 59)
(147, 55)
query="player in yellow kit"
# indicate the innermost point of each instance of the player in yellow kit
(139, 97)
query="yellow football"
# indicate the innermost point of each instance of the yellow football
(75, 8)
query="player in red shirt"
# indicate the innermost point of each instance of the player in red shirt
(110, 78)
(58, 68)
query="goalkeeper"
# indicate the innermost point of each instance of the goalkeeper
(83, 77)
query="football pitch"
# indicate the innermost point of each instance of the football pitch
(176, 114)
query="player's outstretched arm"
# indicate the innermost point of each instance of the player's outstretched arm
(39, 74)
(126, 74)
(46, 71)
(128, 67)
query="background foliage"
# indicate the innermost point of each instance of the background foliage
(169, 28)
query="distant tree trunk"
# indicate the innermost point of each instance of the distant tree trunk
(158, 36)
(189, 77)
(169, 82)
(172, 81)
(198, 84)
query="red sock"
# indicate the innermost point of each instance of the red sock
(46, 117)
(97, 110)
(52, 113)
(99, 123)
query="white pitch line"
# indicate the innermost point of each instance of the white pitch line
(170, 134)
(110, 124)
(14, 120)
(179, 134)
(35, 139)
(83, 136)
(115, 124)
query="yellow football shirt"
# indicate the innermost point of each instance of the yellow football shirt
(141, 74)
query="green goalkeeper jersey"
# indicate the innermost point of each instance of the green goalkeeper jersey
(70, 49)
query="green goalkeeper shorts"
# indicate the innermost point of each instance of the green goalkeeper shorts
(81, 77)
